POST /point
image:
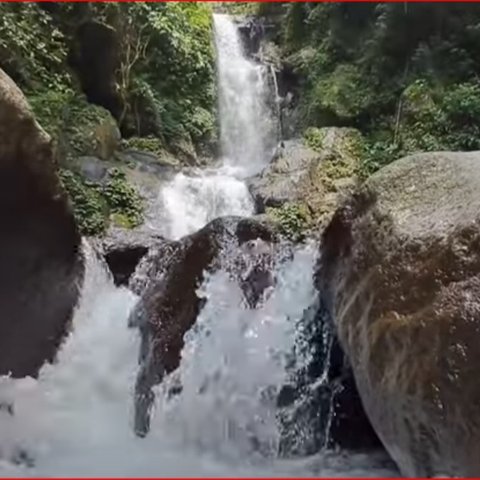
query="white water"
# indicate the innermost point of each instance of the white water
(191, 201)
(76, 419)
(243, 91)
(247, 136)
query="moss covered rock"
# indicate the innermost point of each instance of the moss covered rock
(308, 177)
(78, 127)
(400, 273)
(97, 205)
(336, 174)
(139, 146)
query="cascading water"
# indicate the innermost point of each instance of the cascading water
(247, 137)
(76, 418)
(245, 121)
(191, 201)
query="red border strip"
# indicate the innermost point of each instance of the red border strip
(247, 1)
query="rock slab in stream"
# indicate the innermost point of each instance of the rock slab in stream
(400, 273)
(169, 305)
(41, 263)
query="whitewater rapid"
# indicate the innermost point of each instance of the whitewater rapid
(76, 418)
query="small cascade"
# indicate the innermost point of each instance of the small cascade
(278, 103)
(192, 200)
(76, 418)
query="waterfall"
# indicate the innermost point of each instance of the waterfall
(277, 101)
(243, 92)
(247, 135)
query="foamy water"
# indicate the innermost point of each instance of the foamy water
(192, 200)
(76, 419)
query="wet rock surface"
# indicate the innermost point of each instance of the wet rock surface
(400, 274)
(40, 247)
(320, 407)
(123, 250)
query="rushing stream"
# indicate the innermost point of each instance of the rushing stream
(76, 418)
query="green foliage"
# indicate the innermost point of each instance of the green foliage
(167, 86)
(293, 220)
(432, 119)
(89, 208)
(164, 77)
(378, 154)
(123, 199)
(343, 95)
(95, 205)
(79, 127)
(405, 75)
(32, 48)
(180, 46)
(314, 138)
(461, 107)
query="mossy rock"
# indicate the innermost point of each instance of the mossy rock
(122, 220)
(184, 149)
(97, 205)
(152, 145)
(315, 172)
(338, 171)
(78, 127)
(293, 220)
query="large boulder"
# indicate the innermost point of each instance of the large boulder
(400, 274)
(169, 305)
(40, 247)
(315, 172)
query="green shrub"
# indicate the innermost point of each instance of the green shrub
(340, 96)
(293, 220)
(146, 144)
(461, 105)
(89, 207)
(314, 138)
(122, 198)
(95, 205)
